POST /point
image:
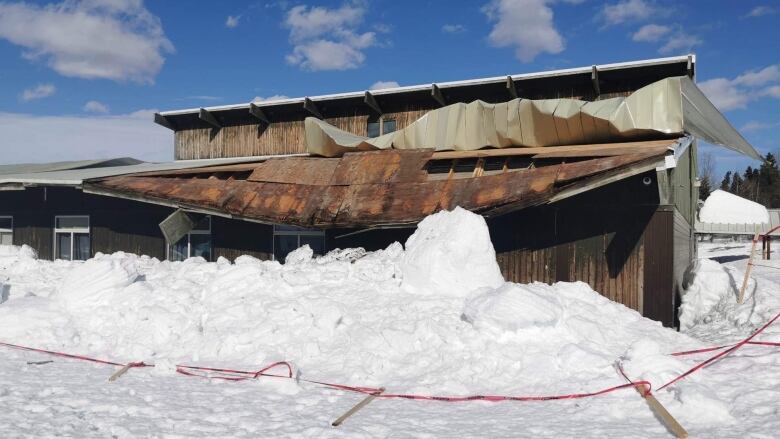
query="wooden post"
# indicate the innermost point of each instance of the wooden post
(768, 247)
(120, 372)
(656, 406)
(357, 407)
(748, 269)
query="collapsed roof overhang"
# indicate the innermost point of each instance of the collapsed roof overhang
(390, 187)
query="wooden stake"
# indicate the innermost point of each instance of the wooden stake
(120, 372)
(661, 411)
(357, 407)
(748, 269)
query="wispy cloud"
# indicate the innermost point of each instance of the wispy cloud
(40, 91)
(754, 125)
(759, 11)
(328, 38)
(270, 98)
(626, 11)
(650, 33)
(680, 41)
(526, 25)
(95, 107)
(232, 21)
(453, 28)
(729, 94)
(383, 84)
(118, 39)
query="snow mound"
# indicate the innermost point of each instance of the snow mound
(722, 207)
(450, 254)
(90, 283)
(513, 307)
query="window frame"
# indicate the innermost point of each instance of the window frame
(71, 231)
(9, 231)
(296, 231)
(194, 231)
(381, 121)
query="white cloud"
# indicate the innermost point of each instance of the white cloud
(383, 84)
(757, 78)
(40, 91)
(270, 98)
(759, 11)
(328, 39)
(724, 94)
(680, 42)
(650, 33)
(232, 21)
(728, 94)
(29, 138)
(757, 126)
(117, 39)
(627, 11)
(526, 25)
(204, 98)
(95, 107)
(453, 28)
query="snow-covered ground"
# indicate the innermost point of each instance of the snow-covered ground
(430, 317)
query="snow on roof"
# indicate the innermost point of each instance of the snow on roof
(722, 207)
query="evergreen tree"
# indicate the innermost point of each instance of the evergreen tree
(736, 183)
(725, 185)
(769, 182)
(705, 188)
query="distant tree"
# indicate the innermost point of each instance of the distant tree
(750, 184)
(706, 174)
(736, 183)
(769, 182)
(725, 184)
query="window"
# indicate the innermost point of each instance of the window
(6, 230)
(196, 243)
(289, 238)
(71, 238)
(381, 125)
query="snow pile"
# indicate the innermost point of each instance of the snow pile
(434, 318)
(450, 254)
(722, 207)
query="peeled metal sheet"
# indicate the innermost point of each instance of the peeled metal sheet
(670, 107)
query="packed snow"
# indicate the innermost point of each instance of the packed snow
(433, 316)
(722, 207)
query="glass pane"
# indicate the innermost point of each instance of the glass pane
(284, 244)
(6, 238)
(200, 245)
(204, 224)
(372, 129)
(62, 250)
(178, 251)
(80, 246)
(388, 126)
(6, 222)
(317, 243)
(72, 222)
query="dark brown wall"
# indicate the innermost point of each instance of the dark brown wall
(233, 238)
(659, 300)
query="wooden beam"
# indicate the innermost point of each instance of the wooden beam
(209, 118)
(258, 113)
(159, 119)
(594, 78)
(690, 66)
(511, 88)
(309, 106)
(599, 149)
(437, 95)
(369, 100)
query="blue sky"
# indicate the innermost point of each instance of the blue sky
(80, 78)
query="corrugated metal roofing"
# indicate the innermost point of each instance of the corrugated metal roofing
(58, 176)
(741, 229)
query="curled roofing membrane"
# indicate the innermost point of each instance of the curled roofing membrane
(668, 108)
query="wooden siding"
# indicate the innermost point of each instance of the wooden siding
(233, 238)
(659, 299)
(283, 137)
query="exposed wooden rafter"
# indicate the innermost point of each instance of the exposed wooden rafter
(259, 114)
(437, 95)
(159, 119)
(594, 78)
(370, 100)
(209, 118)
(511, 88)
(309, 106)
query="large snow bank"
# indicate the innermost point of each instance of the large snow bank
(722, 207)
(435, 317)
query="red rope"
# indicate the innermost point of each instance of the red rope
(75, 357)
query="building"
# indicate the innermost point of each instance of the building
(586, 187)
